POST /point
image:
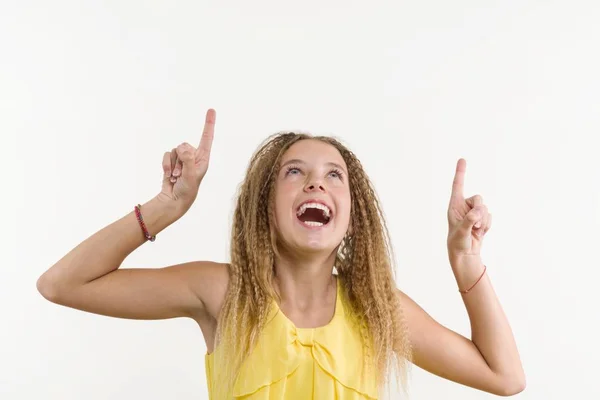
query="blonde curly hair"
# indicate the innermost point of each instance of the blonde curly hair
(364, 264)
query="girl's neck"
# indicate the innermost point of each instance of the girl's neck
(302, 283)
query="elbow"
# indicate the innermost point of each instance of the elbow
(513, 386)
(48, 289)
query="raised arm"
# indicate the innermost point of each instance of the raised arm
(489, 360)
(88, 278)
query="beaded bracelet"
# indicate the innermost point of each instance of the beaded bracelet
(476, 282)
(138, 215)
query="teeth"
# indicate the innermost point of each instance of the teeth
(320, 206)
(313, 223)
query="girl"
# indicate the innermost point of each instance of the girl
(307, 307)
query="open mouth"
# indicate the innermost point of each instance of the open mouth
(314, 214)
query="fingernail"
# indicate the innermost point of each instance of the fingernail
(176, 172)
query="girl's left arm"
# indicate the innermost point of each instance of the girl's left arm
(489, 361)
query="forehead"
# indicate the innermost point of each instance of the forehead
(313, 151)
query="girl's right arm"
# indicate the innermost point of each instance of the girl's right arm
(88, 278)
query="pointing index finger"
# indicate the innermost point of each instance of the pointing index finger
(459, 179)
(208, 133)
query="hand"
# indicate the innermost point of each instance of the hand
(468, 219)
(184, 167)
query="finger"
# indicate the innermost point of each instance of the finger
(488, 223)
(208, 133)
(481, 221)
(479, 225)
(459, 179)
(474, 201)
(471, 218)
(185, 156)
(480, 232)
(166, 164)
(175, 166)
(174, 171)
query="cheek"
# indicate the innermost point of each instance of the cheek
(283, 203)
(344, 206)
(345, 220)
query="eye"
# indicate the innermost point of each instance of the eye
(336, 173)
(292, 170)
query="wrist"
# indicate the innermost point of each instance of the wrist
(467, 270)
(460, 261)
(159, 212)
(167, 207)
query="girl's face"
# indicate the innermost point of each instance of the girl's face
(312, 197)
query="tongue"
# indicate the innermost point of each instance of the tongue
(313, 214)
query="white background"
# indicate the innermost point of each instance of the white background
(92, 93)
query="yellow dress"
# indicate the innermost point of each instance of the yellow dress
(324, 363)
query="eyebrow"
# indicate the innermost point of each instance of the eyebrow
(298, 161)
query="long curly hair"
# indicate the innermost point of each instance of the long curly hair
(364, 264)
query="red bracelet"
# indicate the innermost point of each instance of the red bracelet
(138, 215)
(469, 289)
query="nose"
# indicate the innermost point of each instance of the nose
(314, 185)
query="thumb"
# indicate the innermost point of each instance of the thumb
(471, 219)
(185, 153)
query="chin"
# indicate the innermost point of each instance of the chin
(315, 243)
(316, 247)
